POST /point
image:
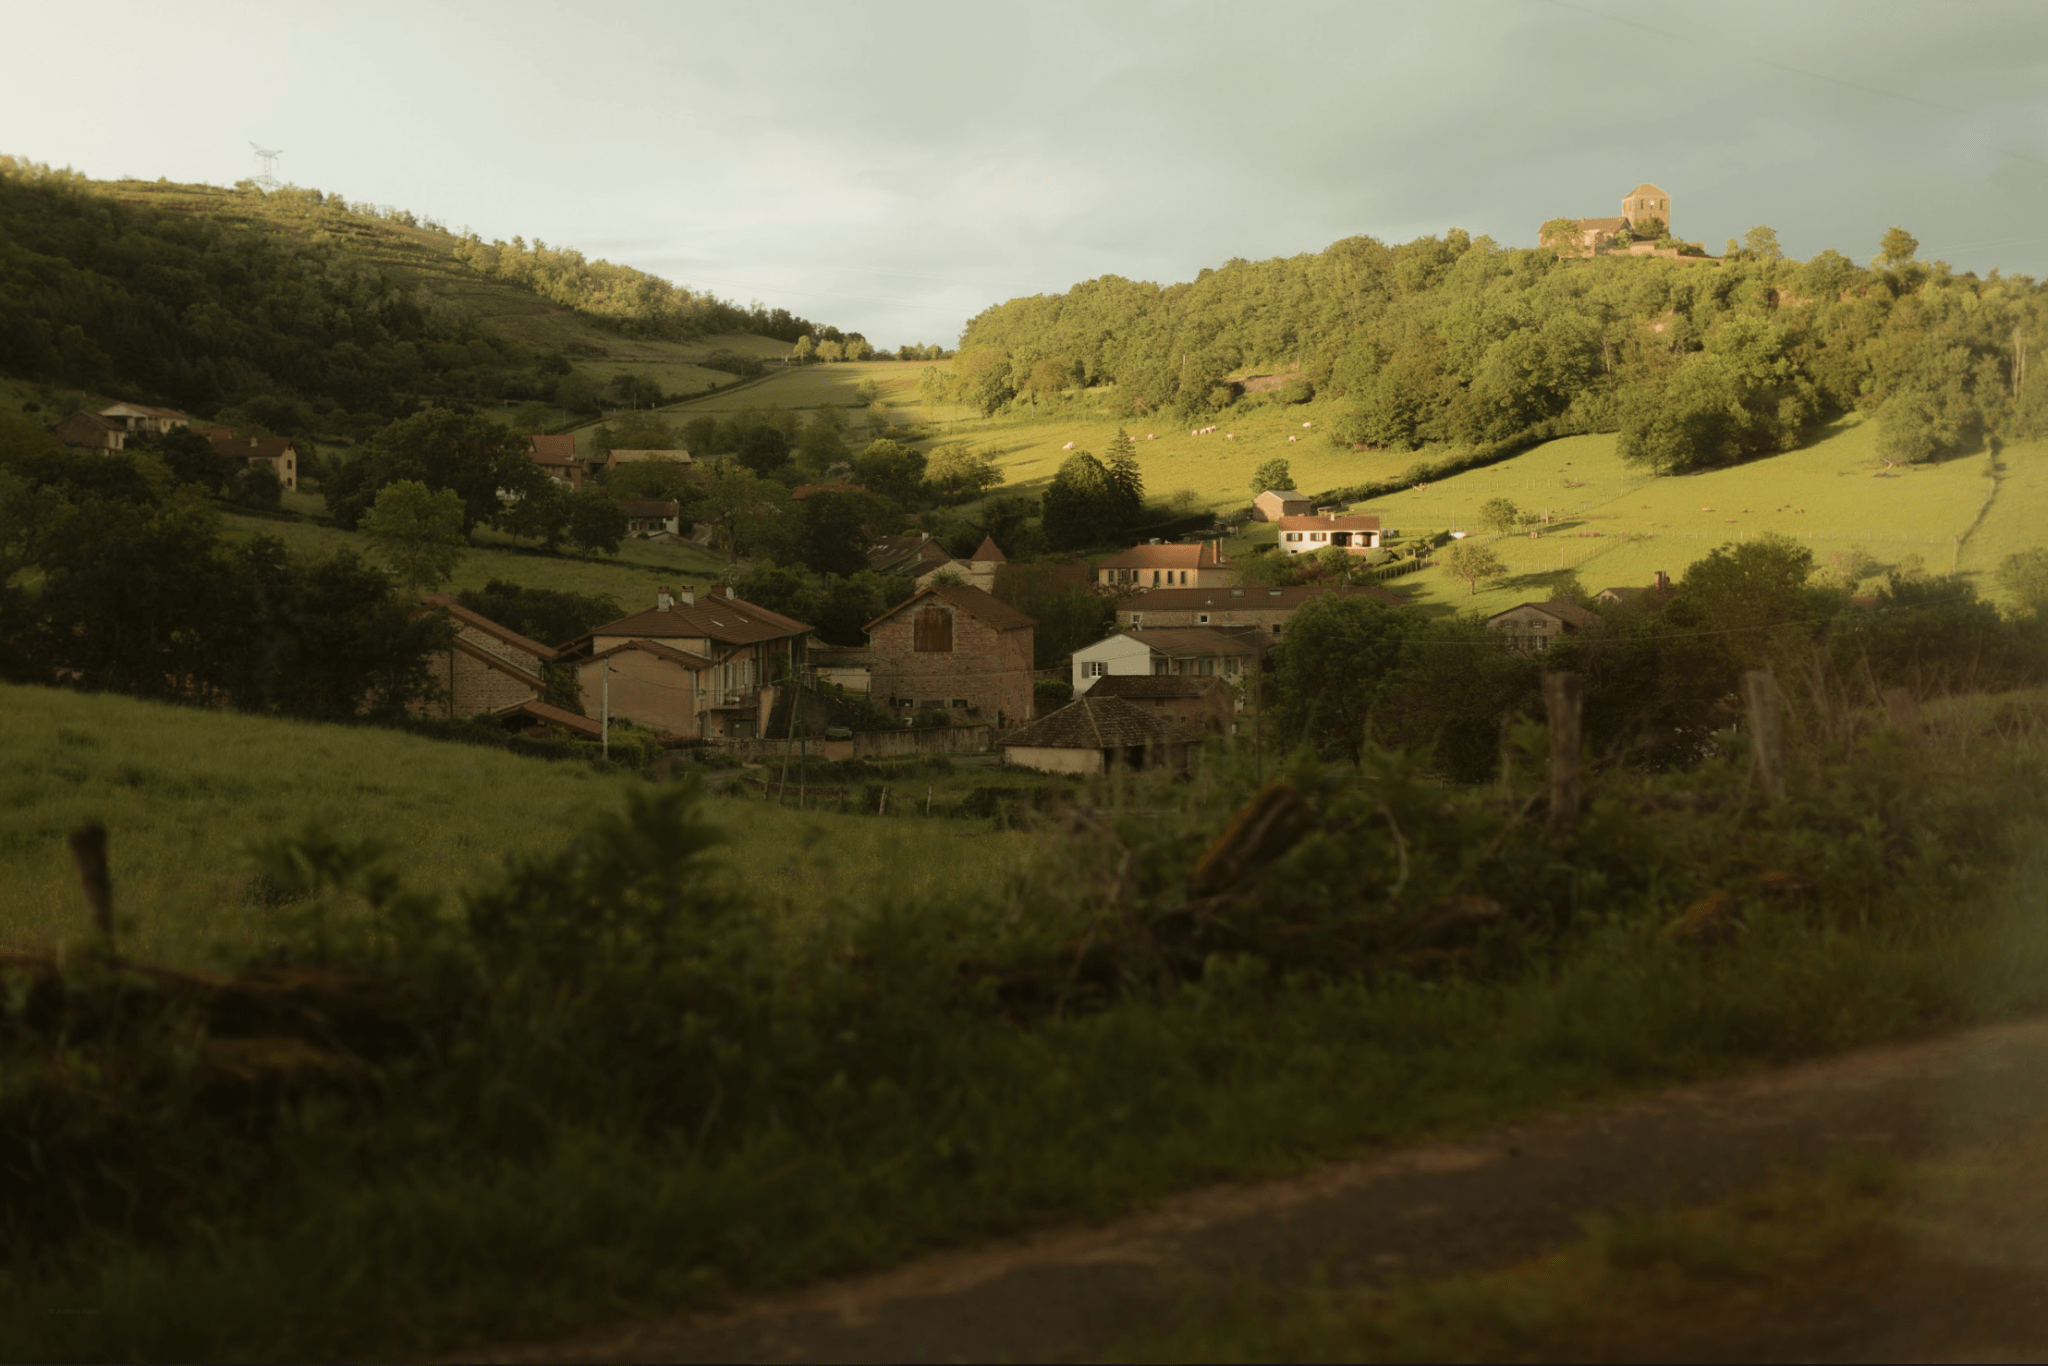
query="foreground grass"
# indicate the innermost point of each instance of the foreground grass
(665, 1151)
(181, 790)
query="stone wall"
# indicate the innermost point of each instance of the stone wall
(987, 669)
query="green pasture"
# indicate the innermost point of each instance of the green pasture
(633, 574)
(181, 789)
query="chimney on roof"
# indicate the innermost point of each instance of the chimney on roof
(689, 595)
(728, 590)
(663, 601)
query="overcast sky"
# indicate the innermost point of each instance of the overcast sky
(895, 167)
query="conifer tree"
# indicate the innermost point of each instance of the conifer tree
(1126, 500)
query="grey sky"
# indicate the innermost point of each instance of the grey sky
(895, 168)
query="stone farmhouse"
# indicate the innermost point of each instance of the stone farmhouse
(556, 455)
(486, 667)
(653, 517)
(1095, 735)
(1263, 611)
(1357, 532)
(1650, 598)
(1192, 704)
(1201, 565)
(956, 648)
(1274, 504)
(699, 668)
(1197, 651)
(1645, 212)
(1531, 626)
(278, 452)
(978, 570)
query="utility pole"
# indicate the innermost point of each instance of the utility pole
(605, 726)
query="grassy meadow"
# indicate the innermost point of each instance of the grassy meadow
(180, 790)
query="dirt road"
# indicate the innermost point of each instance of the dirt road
(1424, 1211)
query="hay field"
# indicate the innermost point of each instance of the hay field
(179, 789)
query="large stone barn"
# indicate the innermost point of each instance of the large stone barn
(486, 667)
(1095, 735)
(956, 649)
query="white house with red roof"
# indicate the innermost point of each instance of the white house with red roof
(1200, 565)
(1357, 532)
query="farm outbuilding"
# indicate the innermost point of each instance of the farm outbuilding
(1095, 735)
(1274, 504)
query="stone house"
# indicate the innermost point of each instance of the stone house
(140, 419)
(1274, 504)
(486, 667)
(556, 455)
(746, 647)
(978, 570)
(1645, 212)
(957, 648)
(1191, 704)
(1532, 626)
(1095, 735)
(278, 452)
(91, 432)
(1201, 565)
(1357, 532)
(1263, 611)
(1198, 651)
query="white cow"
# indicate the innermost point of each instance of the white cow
(1069, 446)
(1308, 424)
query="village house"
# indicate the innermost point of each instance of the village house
(1201, 565)
(1246, 609)
(1274, 504)
(1095, 735)
(1198, 651)
(745, 647)
(278, 452)
(1357, 532)
(978, 570)
(556, 455)
(91, 432)
(650, 517)
(140, 419)
(486, 667)
(648, 683)
(1532, 626)
(1649, 599)
(956, 648)
(1191, 704)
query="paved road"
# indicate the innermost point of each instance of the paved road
(1425, 1211)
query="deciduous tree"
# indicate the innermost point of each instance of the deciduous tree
(418, 531)
(1472, 562)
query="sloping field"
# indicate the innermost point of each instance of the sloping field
(180, 789)
(1615, 526)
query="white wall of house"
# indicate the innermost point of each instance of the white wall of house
(1120, 654)
(1050, 759)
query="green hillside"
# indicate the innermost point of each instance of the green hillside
(182, 789)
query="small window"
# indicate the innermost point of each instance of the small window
(1097, 668)
(1294, 535)
(1155, 578)
(1203, 618)
(1137, 618)
(959, 704)
(1276, 628)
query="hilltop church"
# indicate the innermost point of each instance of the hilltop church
(1645, 212)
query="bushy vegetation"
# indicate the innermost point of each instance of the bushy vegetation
(612, 1059)
(1462, 341)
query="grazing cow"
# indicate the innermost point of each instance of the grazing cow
(1230, 436)
(1069, 446)
(1292, 439)
(1308, 424)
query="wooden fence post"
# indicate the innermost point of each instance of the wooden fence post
(1562, 698)
(1766, 732)
(89, 850)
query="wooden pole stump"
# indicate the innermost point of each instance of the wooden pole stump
(1766, 732)
(89, 850)
(1562, 698)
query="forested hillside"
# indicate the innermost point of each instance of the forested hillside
(1458, 340)
(296, 306)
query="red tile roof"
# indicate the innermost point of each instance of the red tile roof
(558, 449)
(729, 621)
(652, 508)
(261, 447)
(498, 662)
(1156, 685)
(1091, 722)
(1191, 641)
(555, 716)
(1568, 612)
(988, 551)
(1350, 521)
(693, 662)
